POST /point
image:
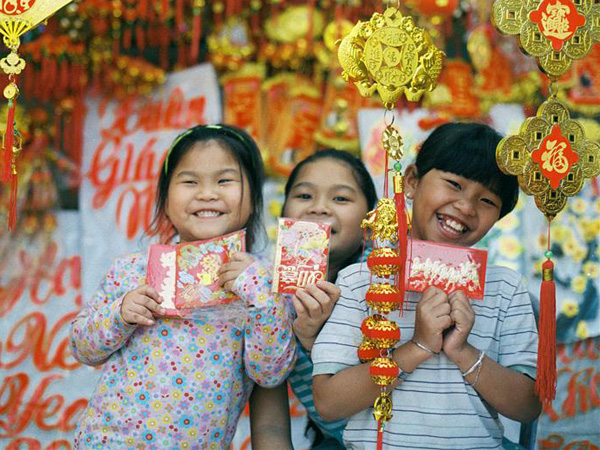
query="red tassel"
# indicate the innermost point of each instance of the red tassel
(140, 37)
(380, 436)
(9, 137)
(545, 383)
(400, 202)
(12, 212)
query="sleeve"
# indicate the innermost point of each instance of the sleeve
(269, 343)
(99, 330)
(336, 346)
(518, 335)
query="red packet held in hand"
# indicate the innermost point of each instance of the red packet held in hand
(185, 275)
(446, 267)
(302, 254)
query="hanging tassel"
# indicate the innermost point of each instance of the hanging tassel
(400, 202)
(545, 383)
(380, 435)
(9, 137)
(12, 212)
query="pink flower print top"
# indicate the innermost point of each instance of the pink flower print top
(181, 383)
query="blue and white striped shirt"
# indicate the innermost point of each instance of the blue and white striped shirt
(434, 408)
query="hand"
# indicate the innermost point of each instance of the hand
(432, 318)
(313, 307)
(140, 305)
(238, 262)
(463, 318)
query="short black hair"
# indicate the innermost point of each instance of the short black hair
(469, 150)
(245, 151)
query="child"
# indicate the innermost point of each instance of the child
(182, 383)
(330, 186)
(461, 363)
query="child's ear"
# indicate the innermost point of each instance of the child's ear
(411, 179)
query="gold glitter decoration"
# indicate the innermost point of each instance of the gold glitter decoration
(391, 55)
(383, 371)
(382, 220)
(382, 409)
(383, 297)
(550, 156)
(382, 262)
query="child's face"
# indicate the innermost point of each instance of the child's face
(205, 194)
(326, 191)
(450, 209)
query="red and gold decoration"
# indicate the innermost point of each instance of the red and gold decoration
(555, 32)
(16, 18)
(389, 55)
(550, 156)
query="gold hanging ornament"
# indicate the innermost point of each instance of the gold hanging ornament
(555, 32)
(390, 55)
(16, 18)
(550, 156)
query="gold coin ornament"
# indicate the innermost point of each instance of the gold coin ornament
(16, 18)
(391, 55)
(555, 32)
(550, 156)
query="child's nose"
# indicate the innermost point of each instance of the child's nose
(206, 193)
(466, 207)
(319, 208)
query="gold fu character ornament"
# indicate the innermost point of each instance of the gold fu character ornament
(390, 55)
(16, 18)
(550, 156)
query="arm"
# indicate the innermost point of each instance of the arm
(509, 392)
(269, 343)
(270, 418)
(99, 329)
(345, 388)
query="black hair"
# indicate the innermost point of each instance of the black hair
(469, 150)
(241, 146)
(359, 171)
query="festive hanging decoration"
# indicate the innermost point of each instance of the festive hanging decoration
(390, 55)
(555, 32)
(550, 155)
(15, 20)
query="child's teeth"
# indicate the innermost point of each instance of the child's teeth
(207, 213)
(454, 225)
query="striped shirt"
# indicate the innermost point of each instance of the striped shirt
(301, 383)
(434, 408)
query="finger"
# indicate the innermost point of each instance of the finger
(433, 295)
(318, 294)
(444, 322)
(312, 306)
(299, 307)
(148, 291)
(148, 303)
(458, 296)
(225, 267)
(138, 314)
(241, 257)
(140, 319)
(227, 278)
(333, 290)
(442, 310)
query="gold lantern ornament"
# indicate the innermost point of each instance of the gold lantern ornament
(550, 156)
(391, 56)
(16, 18)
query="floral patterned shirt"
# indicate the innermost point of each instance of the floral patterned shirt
(181, 383)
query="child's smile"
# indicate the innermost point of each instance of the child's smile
(449, 208)
(208, 195)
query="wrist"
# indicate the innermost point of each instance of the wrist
(464, 357)
(409, 357)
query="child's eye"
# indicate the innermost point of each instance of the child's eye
(190, 182)
(341, 198)
(303, 196)
(454, 184)
(488, 201)
(225, 180)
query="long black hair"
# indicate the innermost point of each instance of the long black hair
(245, 151)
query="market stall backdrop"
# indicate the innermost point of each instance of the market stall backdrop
(110, 83)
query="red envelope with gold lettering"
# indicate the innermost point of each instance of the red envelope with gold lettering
(302, 254)
(446, 267)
